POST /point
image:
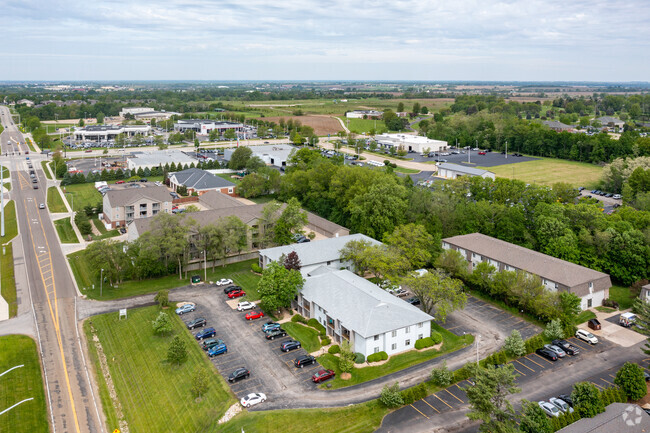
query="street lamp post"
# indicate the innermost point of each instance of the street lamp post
(478, 338)
(101, 283)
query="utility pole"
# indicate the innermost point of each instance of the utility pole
(101, 286)
(478, 338)
(2, 202)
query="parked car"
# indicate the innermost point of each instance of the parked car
(301, 361)
(231, 289)
(187, 308)
(41, 206)
(413, 301)
(217, 350)
(197, 323)
(223, 282)
(555, 349)
(290, 345)
(254, 315)
(400, 292)
(545, 353)
(617, 196)
(236, 294)
(568, 348)
(566, 398)
(243, 306)
(269, 326)
(210, 343)
(594, 324)
(253, 399)
(561, 404)
(587, 336)
(274, 333)
(549, 409)
(239, 373)
(481, 153)
(322, 376)
(205, 333)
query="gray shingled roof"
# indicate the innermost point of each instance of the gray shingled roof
(463, 169)
(358, 304)
(128, 196)
(555, 124)
(551, 268)
(200, 179)
(320, 251)
(612, 421)
(217, 200)
(609, 119)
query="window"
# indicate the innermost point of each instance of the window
(393, 346)
(589, 302)
(408, 329)
(407, 343)
(229, 190)
(420, 325)
(394, 334)
(376, 337)
(420, 336)
(376, 349)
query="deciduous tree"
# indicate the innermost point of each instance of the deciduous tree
(438, 293)
(514, 344)
(279, 286)
(587, 400)
(412, 242)
(488, 398)
(632, 381)
(162, 324)
(177, 351)
(240, 157)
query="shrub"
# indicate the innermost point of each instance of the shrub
(256, 268)
(420, 391)
(631, 380)
(346, 358)
(325, 341)
(376, 357)
(298, 318)
(335, 349)
(314, 324)
(359, 358)
(436, 337)
(162, 297)
(514, 345)
(384, 356)
(407, 396)
(423, 343)
(610, 303)
(554, 330)
(390, 395)
(441, 376)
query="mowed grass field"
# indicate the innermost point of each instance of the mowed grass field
(55, 201)
(66, 233)
(7, 279)
(155, 396)
(11, 225)
(20, 384)
(361, 126)
(547, 171)
(84, 194)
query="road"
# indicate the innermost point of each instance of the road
(72, 401)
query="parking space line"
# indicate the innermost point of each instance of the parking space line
(550, 362)
(575, 341)
(419, 411)
(607, 381)
(523, 374)
(430, 405)
(453, 395)
(598, 386)
(534, 361)
(442, 401)
(612, 376)
(525, 365)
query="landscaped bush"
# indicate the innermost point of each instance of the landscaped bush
(315, 324)
(436, 337)
(334, 349)
(423, 343)
(298, 318)
(442, 376)
(610, 303)
(359, 358)
(407, 396)
(325, 341)
(256, 268)
(384, 355)
(534, 343)
(376, 357)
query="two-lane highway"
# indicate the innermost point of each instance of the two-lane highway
(74, 405)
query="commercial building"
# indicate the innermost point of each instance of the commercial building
(123, 206)
(312, 255)
(273, 154)
(134, 110)
(204, 126)
(364, 114)
(612, 122)
(100, 133)
(556, 274)
(200, 181)
(147, 113)
(617, 418)
(158, 158)
(557, 126)
(454, 171)
(415, 143)
(352, 308)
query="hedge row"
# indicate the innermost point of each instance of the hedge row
(608, 395)
(494, 359)
(423, 343)
(534, 343)
(298, 318)
(414, 394)
(376, 357)
(436, 337)
(256, 268)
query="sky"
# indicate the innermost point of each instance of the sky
(430, 40)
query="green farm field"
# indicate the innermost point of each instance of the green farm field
(547, 171)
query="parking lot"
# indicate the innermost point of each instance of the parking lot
(490, 159)
(271, 370)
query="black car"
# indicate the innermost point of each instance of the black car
(301, 361)
(290, 345)
(545, 353)
(413, 301)
(569, 348)
(231, 289)
(566, 398)
(275, 333)
(240, 373)
(197, 323)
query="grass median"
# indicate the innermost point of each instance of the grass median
(154, 395)
(8, 280)
(45, 170)
(65, 231)
(55, 201)
(450, 343)
(20, 384)
(307, 336)
(11, 225)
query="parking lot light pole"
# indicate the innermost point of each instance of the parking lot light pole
(478, 338)
(101, 283)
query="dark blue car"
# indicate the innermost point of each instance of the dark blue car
(217, 350)
(206, 333)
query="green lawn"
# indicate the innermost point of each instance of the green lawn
(155, 396)
(11, 225)
(451, 342)
(360, 418)
(105, 234)
(584, 316)
(84, 194)
(7, 186)
(55, 201)
(622, 295)
(228, 178)
(86, 276)
(47, 172)
(547, 171)
(20, 384)
(8, 281)
(66, 232)
(360, 126)
(307, 335)
(405, 170)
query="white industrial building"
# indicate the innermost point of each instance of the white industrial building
(272, 154)
(158, 158)
(101, 133)
(454, 171)
(204, 126)
(364, 114)
(415, 143)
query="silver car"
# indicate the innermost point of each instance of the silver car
(561, 404)
(549, 409)
(555, 349)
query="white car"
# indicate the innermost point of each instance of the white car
(549, 409)
(561, 404)
(587, 336)
(243, 306)
(253, 399)
(223, 282)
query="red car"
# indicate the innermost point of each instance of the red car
(481, 153)
(254, 315)
(236, 294)
(119, 182)
(322, 376)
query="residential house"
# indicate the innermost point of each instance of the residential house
(123, 206)
(200, 181)
(556, 274)
(611, 122)
(617, 418)
(454, 171)
(557, 126)
(645, 293)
